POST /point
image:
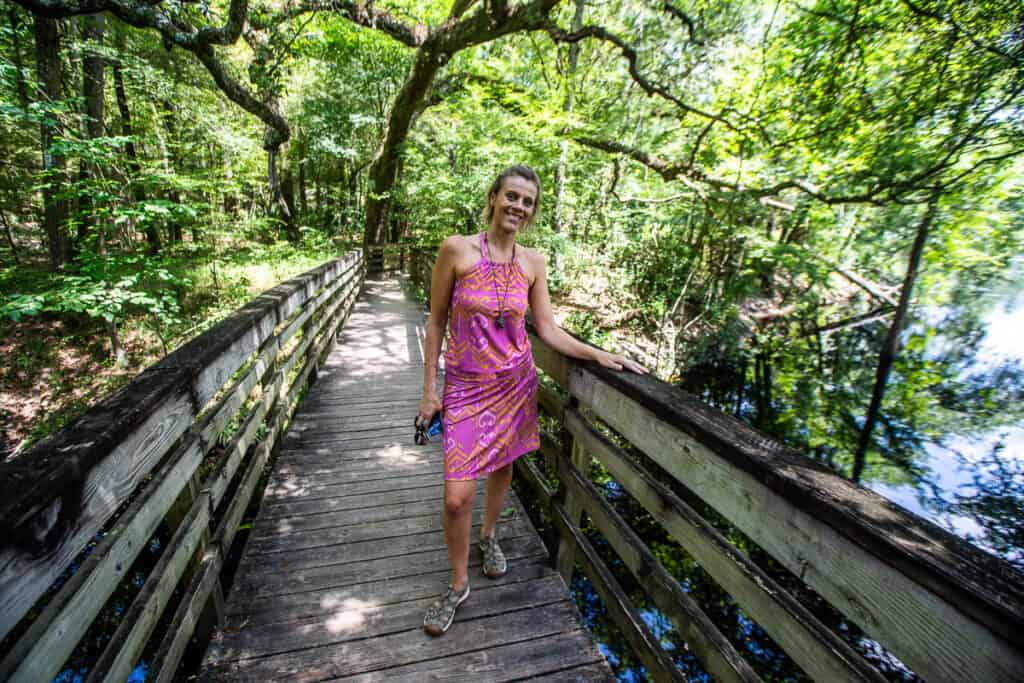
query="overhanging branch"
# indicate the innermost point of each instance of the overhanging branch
(363, 14)
(174, 31)
(559, 35)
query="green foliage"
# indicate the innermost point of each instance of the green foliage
(108, 290)
(656, 216)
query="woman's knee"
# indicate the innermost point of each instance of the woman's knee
(457, 504)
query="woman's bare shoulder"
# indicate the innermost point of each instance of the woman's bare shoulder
(461, 251)
(456, 244)
(532, 261)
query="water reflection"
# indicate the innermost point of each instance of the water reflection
(950, 443)
(975, 482)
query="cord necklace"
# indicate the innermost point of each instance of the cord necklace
(500, 320)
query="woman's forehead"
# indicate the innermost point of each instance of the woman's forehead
(520, 185)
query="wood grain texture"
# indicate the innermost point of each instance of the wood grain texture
(89, 472)
(847, 543)
(645, 645)
(569, 656)
(311, 591)
(822, 654)
(41, 652)
(125, 647)
(484, 628)
(347, 550)
(715, 652)
(57, 495)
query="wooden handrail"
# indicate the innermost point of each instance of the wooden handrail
(141, 449)
(948, 610)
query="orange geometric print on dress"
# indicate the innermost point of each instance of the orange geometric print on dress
(490, 382)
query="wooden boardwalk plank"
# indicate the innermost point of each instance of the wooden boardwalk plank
(360, 551)
(347, 551)
(378, 609)
(308, 592)
(487, 625)
(575, 651)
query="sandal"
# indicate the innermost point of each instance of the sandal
(440, 615)
(494, 564)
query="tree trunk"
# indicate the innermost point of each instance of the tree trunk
(563, 157)
(19, 73)
(92, 95)
(892, 341)
(230, 200)
(318, 189)
(138, 191)
(288, 190)
(303, 206)
(384, 169)
(168, 148)
(284, 212)
(10, 236)
(55, 210)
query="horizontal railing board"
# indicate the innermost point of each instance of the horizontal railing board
(791, 507)
(213, 357)
(126, 645)
(46, 520)
(49, 509)
(41, 652)
(715, 652)
(646, 646)
(978, 583)
(185, 618)
(821, 653)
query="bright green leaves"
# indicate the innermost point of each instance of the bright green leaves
(108, 290)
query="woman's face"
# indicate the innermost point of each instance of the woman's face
(514, 204)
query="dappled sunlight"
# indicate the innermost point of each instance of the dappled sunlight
(401, 455)
(350, 614)
(282, 526)
(289, 488)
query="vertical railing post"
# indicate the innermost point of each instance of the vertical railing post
(213, 613)
(572, 452)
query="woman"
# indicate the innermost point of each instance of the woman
(480, 289)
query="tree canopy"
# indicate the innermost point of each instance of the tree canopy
(778, 204)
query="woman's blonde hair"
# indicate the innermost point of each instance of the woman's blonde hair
(524, 172)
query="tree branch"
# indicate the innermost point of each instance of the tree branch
(559, 35)
(142, 15)
(363, 14)
(952, 22)
(683, 17)
(200, 42)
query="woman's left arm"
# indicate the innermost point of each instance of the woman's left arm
(557, 338)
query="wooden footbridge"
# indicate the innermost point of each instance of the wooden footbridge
(296, 413)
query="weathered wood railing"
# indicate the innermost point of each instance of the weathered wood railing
(387, 257)
(948, 610)
(137, 459)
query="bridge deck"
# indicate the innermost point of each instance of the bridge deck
(347, 551)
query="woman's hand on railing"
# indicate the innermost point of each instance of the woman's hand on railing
(617, 362)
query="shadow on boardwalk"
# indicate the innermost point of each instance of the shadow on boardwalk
(348, 552)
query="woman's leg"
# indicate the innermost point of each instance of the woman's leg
(458, 522)
(498, 483)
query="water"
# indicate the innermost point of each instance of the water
(950, 448)
(966, 471)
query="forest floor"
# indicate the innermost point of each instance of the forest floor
(56, 368)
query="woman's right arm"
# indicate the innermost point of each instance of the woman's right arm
(442, 280)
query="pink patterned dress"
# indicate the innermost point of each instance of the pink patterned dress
(490, 382)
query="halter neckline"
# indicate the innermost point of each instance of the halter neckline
(485, 252)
